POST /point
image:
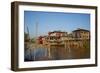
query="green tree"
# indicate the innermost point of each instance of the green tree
(33, 40)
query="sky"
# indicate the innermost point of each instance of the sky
(54, 21)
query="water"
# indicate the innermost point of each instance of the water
(42, 54)
(39, 54)
(35, 54)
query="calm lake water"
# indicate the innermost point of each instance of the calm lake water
(35, 54)
(42, 54)
(39, 54)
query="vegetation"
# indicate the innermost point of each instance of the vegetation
(33, 40)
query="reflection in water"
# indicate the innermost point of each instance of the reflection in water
(39, 54)
(35, 54)
(42, 54)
